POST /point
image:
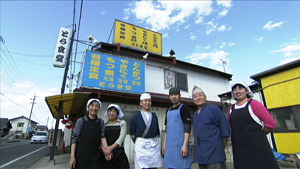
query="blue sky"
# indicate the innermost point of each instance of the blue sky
(250, 36)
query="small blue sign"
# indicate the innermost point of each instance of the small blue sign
(113, 73)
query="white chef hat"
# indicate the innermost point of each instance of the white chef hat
(145, 96)
(121, 114)
(197, 90)
(250, 94)
(91, 100)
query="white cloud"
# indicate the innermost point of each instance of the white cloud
(231, 44)
(288, 60)
(259, 39)
(289, 50)
(160, 15)
(223, 44)
(20, 104)
(211, 27)
(207, 47)
(187, 26)
(225, 3)
(221, 28)
(223, 12)
(269, 25)
(103, 13)
(192, 36)
(165, 35)
(126, 18)
(199, 20)
(214, 57)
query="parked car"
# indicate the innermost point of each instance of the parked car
(39, 137)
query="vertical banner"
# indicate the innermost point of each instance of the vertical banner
(113, 73)
(136, 37)
(62, 47)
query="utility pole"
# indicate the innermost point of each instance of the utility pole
(29, 121)
(224, 63)
(53, 147)
(47, 122)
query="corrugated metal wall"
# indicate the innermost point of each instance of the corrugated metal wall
(287, 143)
(282, 94)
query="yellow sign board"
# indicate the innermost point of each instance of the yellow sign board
(136, 37)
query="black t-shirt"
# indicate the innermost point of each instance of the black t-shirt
(185, 114)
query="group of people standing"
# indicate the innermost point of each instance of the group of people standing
(248, 119)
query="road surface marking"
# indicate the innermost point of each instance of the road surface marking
(6, 164)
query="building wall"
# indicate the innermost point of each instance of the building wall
(211, 84)
(22, 130)
(282, 94)
(282, 90)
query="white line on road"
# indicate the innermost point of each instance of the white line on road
(6, 164)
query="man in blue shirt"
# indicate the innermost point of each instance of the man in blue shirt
(211, 131)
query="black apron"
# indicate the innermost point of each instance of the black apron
(87, 150)
(119, 160)
(250, 146)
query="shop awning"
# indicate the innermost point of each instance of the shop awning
(74, 104)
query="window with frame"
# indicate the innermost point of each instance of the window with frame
(175, 79)
(20, 125)
(287, 118)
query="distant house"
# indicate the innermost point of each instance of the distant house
(5, 126)
(41, 128)
(22, 124)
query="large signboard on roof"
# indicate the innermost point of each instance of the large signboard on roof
(113, 73)
(136, 37)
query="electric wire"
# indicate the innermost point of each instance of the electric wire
(14, 102)
(12, 81)
(76, 48)
(17, 71)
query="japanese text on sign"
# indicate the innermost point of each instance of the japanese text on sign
(133, 36)
(113, 73)
(62, 47)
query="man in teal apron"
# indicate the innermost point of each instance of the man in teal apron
(176, 144)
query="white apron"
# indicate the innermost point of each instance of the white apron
(147, 153)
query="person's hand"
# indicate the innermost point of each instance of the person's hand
(163, 150)
(184, 151)
(105, 151)
(72, 162)
(109, 156)
(109, 149)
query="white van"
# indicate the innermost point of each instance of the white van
(39, 137)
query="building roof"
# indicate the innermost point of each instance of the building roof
(4, 122)
(41, 127)
(275, 70)
(22, 117)
(117, 48)
(227, 95)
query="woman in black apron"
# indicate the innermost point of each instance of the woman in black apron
(248, 119)
(87, 137)
(115, 132)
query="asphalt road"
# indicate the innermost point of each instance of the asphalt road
(22, 154)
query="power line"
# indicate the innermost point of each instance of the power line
(9, 76)
(19, 74)
(13, 101)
